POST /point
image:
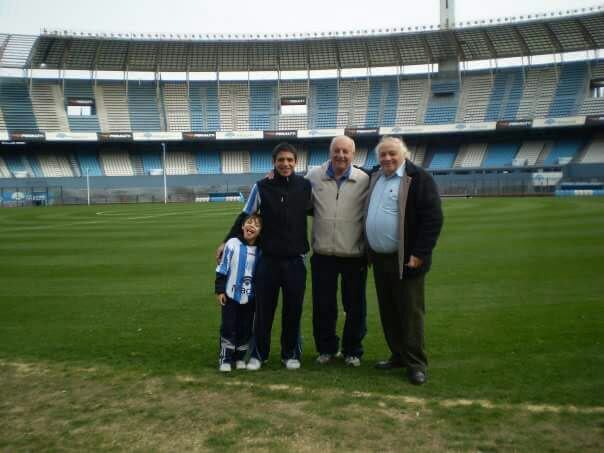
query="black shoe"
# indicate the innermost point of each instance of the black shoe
(389, 364)
(417, 377)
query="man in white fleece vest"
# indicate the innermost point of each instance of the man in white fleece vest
(339, 192)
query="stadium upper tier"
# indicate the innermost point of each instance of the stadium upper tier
(476, 97)
(479, 40)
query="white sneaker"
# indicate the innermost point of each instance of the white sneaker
(225, 368)
(352, 361)
(254, 364)
(240, 365)
(324, 358)
(291, 364)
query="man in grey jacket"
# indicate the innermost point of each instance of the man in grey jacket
(339, 192)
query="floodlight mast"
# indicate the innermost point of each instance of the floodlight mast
(447, 13)
(88, 184)
(163, 147)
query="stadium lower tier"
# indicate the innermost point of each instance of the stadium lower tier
(38, 161)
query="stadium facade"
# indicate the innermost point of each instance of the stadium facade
(494, 107)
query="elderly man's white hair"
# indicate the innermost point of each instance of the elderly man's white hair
(337, 137)
(397, 141)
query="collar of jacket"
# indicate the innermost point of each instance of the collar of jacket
(325, 176)
(280, 179)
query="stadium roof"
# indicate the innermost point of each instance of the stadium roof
(172, 53)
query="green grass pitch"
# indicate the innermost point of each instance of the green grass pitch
(515, 319)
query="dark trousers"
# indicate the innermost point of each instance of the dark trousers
(402, 311)
(235, 330)
(272, 274)
(326, 270)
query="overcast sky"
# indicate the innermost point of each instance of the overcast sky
(252, 16)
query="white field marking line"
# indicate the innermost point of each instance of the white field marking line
(30, 368)
(483, 403)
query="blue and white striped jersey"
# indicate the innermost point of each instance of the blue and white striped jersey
(252, 205)
(238, 264)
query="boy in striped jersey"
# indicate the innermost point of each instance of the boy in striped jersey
(235, 294)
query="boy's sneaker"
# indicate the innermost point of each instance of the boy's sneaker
(291, 364)
(225, 367)
(352, 360)
(254, 364)
(324, 358)
(240, 365)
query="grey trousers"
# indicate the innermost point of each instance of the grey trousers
(402, 311)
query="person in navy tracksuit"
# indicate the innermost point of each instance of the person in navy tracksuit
(283, 202)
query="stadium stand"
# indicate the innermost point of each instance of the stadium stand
(360, 156)
(594, 152)
(4, 171)
(261, 161)
(16, 106)
(208, 162)
(234, 106)
(15, 165)
(262, 105)
(203, 104)
(570, 90)
(442, 157)
(48, 107)
(55, 165)
(412, 100)
(323, 104)
(235, 162)
(317, 155)
(151, 162)
(112, 105)
(505, 95)
(529, 152)
(176, 107)
(293, 88)
(353, 103)
(470, 155)
(563, 151)
(89, 163)
(500, 154)
(115, 162)
(474, 97)
(593, 105)
(80, 89)
(143, 107)
(371, 160)
(442, 105)
(301, 166)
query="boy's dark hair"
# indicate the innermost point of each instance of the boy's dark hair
(255, 217)
(284, 146)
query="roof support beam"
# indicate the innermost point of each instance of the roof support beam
(523, 44)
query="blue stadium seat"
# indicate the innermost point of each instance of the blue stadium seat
(570, 85)
(142, 105)
(442, 107)
(208, 162)
(14, 162)
(262, 105)
(500, 154)
(317, 156)
(563, 149)
(261, 160)
(323, 103)
(203, 103)
(506, 95)
(89, 160)
(151, 161)
(443, 157)
(16, 106)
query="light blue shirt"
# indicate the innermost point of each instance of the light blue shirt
(383, 215)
